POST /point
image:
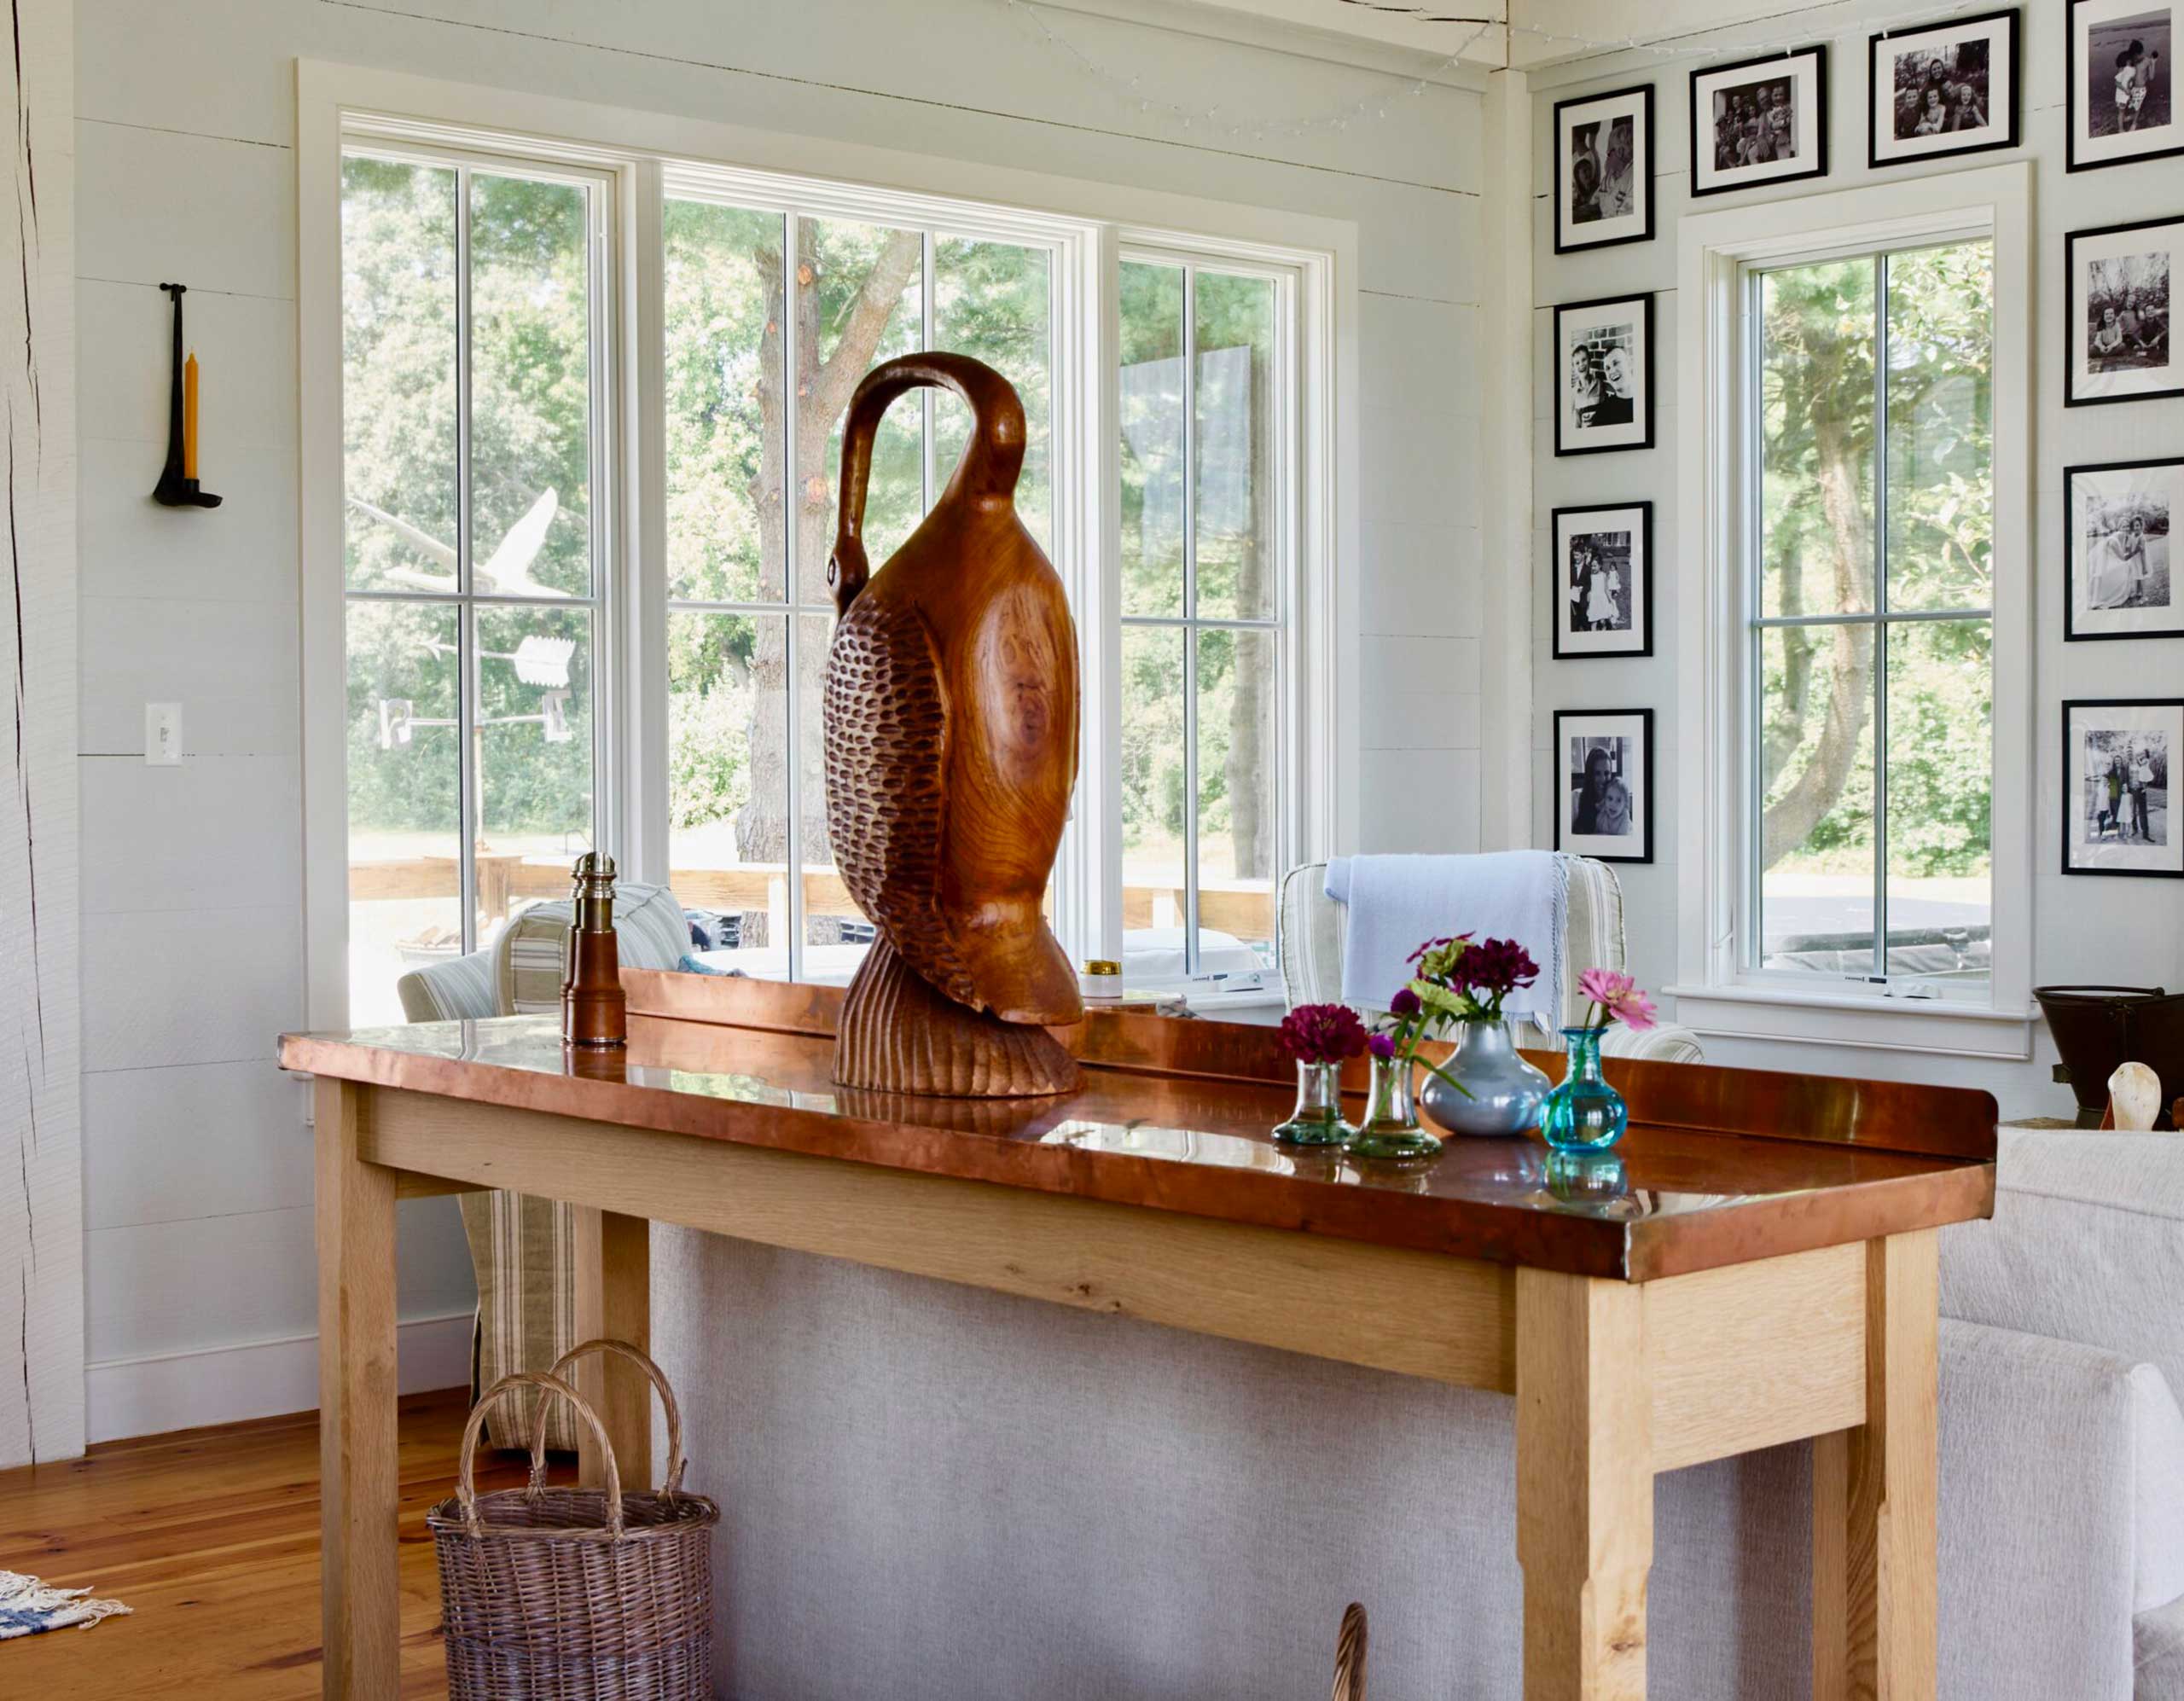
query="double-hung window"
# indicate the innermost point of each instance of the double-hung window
(1868, 583)
(1206, 565)
(475, 385)
(589, 438)
(776, 304)
(1856, 833)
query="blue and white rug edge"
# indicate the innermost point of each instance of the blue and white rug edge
(28, 1606)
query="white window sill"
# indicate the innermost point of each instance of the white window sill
(1798, 1017)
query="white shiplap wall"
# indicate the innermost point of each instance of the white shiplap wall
(41, 1198)
(2128, 931)
(200, 1285)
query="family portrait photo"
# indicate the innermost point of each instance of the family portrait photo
(1761, 121)
(1606, 363)
(2119, 559)
(2121, 283)
(2122, 85)
(1951, 88)
(1606, 605)
(1604, 170)
(1605, 762)
(2116, 813)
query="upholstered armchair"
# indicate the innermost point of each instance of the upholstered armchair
(524, 1249)
(1311, 926)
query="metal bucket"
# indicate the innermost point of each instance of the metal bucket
(2098, 1027)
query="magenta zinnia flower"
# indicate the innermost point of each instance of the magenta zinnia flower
(1405, 1004)
(1322, 1033)
(1382, 1045)
(1495, 969)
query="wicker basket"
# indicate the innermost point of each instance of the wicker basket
(575, 1595)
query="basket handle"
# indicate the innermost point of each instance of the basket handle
(1350, 1655)
(562, 1366)
(466, 1488)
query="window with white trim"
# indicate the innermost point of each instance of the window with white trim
(585, 595)
(476, 561)
(1206, 469)
(755, 294)
(1869, 582)
(1855, 676)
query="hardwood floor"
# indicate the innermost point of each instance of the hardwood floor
(213, 1536)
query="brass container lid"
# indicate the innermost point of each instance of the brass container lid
(1102, 966)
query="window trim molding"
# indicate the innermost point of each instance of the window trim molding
(1713, 993)
(639, 147)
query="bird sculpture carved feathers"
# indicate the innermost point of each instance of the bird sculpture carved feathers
(951, 711)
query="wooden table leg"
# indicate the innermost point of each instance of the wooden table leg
(359, 1484)
(1584, 1485)
(1873, 1560)
(614, 1300)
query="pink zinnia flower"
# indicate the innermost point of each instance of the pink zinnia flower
(1618, 997)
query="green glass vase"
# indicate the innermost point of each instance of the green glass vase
(1317, 1118)
(1390, 1127)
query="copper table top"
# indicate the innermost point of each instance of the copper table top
(1681, 1198)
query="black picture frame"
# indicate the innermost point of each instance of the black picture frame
(2013, 17)
(2070, 809)
(1705, 74)
(1557, 754)
(2072, 377)
(2073, 567)
(1641, 181)
(1559, 380)
(2075, 95)
(1642, 589)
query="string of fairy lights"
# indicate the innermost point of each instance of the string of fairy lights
(1131, 88)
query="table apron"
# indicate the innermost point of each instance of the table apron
(1736, 1358)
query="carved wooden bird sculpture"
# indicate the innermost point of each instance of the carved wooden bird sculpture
(951, 750)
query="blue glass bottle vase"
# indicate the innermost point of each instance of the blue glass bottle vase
(1583, 1113)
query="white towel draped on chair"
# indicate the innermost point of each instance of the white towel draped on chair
(1396, 902)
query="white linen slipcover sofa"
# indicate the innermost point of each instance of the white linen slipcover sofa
(937, 1494)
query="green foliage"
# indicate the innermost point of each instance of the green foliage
(530, 434)
(731, 499)
(1822, 450)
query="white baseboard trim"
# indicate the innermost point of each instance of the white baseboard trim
(160, 1392)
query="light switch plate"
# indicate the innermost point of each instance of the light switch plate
(163, 735)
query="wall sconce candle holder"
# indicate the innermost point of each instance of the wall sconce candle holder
(178, 486)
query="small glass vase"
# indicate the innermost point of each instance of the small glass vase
(1583, 1113)
(1504, 1090)
(1391, 1127)
(1317, 1119)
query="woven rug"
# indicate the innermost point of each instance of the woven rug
(28, 1606)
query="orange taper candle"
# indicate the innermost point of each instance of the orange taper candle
(190, 416)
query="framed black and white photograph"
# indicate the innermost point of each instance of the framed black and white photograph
(1604, 170)
(2121, 68)
(1761, 121)
(2117, 562)
(1604, 581)
(2115, 758)
(1949, 89)
(1604, 779)
(2120, 313)
(1604, 356)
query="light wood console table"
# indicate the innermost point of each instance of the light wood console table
(1761, 1269)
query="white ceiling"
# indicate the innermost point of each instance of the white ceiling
(1442, 27)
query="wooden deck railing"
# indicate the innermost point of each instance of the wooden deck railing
(1242, 908)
